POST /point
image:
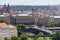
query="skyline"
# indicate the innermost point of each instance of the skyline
(30, 2)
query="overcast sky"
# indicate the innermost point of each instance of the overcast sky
(30, 2)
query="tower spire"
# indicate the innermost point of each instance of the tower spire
(8, 8)
(4, 7)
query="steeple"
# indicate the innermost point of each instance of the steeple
(4, 7)
(8, 5)
(8, 8)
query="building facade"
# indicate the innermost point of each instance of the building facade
(7, 31)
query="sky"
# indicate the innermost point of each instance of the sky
(30, 2)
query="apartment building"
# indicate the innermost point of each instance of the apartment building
(7, 31)
(23, 19)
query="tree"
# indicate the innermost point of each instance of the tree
(21, 26)
(1, 20)
(40, 34)
(19, 33)
(6, 38)
(40, 24)
(56, 36)
(50, 25)
(24, 36)
(5, 21)
(58, 24)
(14, 38)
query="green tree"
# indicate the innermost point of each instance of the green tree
(24, 36)
(41, 35)
(6, 38)
(21, 26)
(50, 25)
(56, 36)
(1, 20)
(58, 24)
(36, 36)
(15, 38)
(5, 21)
(40, 24)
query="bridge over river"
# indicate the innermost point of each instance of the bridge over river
(35, 30)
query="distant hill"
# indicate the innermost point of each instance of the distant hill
(28, 7)
(57, 6)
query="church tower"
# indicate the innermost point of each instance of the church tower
(4, 7)
(8, 8)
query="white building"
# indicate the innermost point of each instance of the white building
(7, 31)
(54, 19)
